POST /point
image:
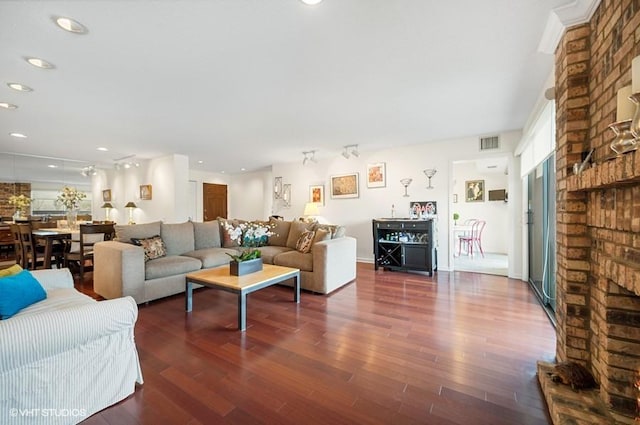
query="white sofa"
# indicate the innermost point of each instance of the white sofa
(66, 357)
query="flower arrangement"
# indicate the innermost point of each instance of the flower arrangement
(249, 235)
(21, 202)
(70, 198)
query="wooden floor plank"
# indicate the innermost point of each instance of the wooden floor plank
(452, 349)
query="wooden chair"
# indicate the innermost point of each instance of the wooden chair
(17, 243)
(32, 257)
(85, 250)
(474, 238)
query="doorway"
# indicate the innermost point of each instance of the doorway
(541, 224)
(214, 201)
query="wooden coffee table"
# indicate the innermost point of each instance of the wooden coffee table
(219, 278)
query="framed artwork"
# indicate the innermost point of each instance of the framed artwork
(344, 186)
(316, 194)
(145, 192)
(106, 195)
(376, 175)
(474, 190)
(422, 208)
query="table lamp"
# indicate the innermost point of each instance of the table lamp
(107, 213)
(131, 206)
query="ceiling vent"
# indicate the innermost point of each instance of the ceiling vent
(489, 143)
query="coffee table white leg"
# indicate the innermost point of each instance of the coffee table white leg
(242, 311)
(188, 296)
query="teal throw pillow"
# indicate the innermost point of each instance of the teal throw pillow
(19, 291)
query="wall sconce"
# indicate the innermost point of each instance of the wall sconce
(131, 206)
(635, 97)
(277, 188)
(309, 156)
(107, 210)
(430, 172)
(406, 182)
(624, 140)
(286, 195)
(350, 150)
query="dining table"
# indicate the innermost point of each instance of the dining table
(48, 237)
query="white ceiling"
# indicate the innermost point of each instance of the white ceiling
(249, 83)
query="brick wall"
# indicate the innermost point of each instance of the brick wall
(598, 236)
(9, 189)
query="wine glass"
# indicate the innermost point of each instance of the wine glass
(406, 182)
(430, 172)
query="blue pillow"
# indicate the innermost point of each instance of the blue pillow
(19, 291)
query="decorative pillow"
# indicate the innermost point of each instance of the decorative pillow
(15, 269)
(19, 291)
(297, 227)
(305, 241)
(321, 235)
(230, 231)
(280, 230)
(256, 233)
(153, 247)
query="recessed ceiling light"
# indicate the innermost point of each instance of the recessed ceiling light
(242, 169)
(52, 166)
(19, 87)
(200, 162)
(40, 63)
(70, 25)
(101, 149)
(311, 2)
(18, 135)
(7, 105)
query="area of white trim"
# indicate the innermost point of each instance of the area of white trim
(575, 13)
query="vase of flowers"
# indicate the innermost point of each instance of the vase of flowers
(250, 236)
(70, 199)
(22, 204)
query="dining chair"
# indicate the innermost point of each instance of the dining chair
(17, 244)
(31, 256)
(473, 238)
(84, 252)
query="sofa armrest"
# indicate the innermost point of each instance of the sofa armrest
(118, 270)
(41, 336)
(334, 263)
(53, 278)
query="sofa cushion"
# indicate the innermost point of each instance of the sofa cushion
(269, 252)
(321, 235)
(305, 241)
(212, 257)
(154, 247)
(19, 291)
(178, 237)
(124, 233)
(171, 266)
(207, 234)
(297, 227)
(230, 232)
(295, 259)
(334, 230)
(280, 230)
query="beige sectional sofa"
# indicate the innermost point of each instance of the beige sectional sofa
(120, 268)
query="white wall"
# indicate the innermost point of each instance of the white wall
(250, 195)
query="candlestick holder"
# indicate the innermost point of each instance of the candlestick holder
(430, 172)
(635, 121)
(406, 182)
(624, 141)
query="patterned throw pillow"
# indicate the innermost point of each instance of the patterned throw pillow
(154, 247)
(305, 241)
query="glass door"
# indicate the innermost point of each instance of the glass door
(541, 217)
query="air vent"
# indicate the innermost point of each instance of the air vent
(488, 143)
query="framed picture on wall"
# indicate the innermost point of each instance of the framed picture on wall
(145, 192)
(316, 194)
(376, 175)
(474, 190)
(344, 186)
(106, 195)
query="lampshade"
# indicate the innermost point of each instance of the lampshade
(131, 205)
(107, 205)
(625, 107)
(311, 208)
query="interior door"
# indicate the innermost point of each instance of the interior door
(214, 201)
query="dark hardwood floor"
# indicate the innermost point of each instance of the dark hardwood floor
(390, 348)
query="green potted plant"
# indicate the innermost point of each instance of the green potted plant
(456, 217)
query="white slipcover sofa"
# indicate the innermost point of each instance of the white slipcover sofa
(66, 357)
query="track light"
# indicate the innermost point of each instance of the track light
(89, 170)
(350, 150)
(309, 156)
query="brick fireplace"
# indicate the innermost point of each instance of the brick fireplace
(598, 229)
